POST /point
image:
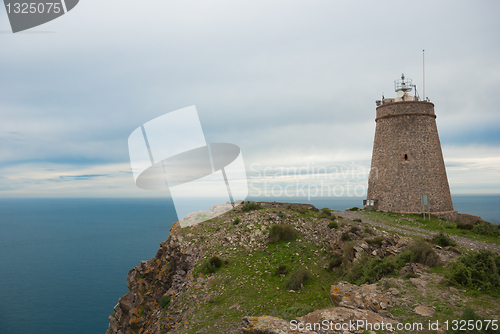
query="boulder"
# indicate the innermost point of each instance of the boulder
(407, 269)
(420, 284)
(267, 324)
(366, 297)
(325, 321)
(453, 249)
(424, 311)
(341, 315)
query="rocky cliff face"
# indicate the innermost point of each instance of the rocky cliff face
(167, 274)
(170, 294)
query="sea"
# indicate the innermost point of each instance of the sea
(64, 262)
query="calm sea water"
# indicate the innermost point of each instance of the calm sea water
(64, 262)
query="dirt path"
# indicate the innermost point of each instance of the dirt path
(411, 230)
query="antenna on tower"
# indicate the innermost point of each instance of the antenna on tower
(423, 62)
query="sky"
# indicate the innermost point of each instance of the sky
(292, 83)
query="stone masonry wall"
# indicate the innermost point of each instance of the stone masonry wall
(407, 160)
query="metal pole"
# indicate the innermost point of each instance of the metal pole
(429, 208)
(423, 62)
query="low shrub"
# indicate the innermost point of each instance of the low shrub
(207, 268)
(354, 229)
(326, 213)
(409, 275)
(477, 270)
(368, 231)
(357, 220)
(443, 240)
(336, 262)
(292, 312)
(369, 270)
(354, 208)
(485, 228)
(281, 232)
(297, 279)
(281, 270)
(345, 236)
(377, 241)
(249, 206)
(165, 302)
(479, 324)
(348, 252)
(281, 214)
(210, 266)
(377, 268)
(464, 226)
(419, 251)
(302, 210)
(333, 225)
(315, 209)
(215, 261)
(236, 221)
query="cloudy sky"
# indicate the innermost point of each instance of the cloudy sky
(292, 83)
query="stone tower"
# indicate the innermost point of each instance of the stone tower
(407, 161)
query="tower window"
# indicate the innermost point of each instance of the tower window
(406, 157)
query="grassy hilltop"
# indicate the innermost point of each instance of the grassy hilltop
(288, 260)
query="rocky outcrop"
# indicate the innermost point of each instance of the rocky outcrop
(365, 297)
(388, 244)
(164, 275)
(327, 321)
(424, 311)
(268, 325)
(168, 295)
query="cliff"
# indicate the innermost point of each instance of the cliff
(238, 273)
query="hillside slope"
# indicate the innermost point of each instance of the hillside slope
(338, 267)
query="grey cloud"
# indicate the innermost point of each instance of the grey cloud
(278, 79)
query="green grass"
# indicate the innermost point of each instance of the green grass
(435, 224)
(165, 302)
(252, 280)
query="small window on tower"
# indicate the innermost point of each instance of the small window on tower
(406, 157)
